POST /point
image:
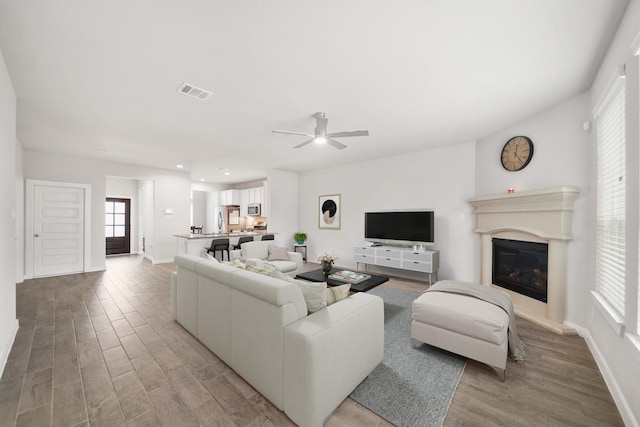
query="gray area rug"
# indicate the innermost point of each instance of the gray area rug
(414, 384)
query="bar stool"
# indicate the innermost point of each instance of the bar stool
(242, 240)
(267, 237)
(221, 245)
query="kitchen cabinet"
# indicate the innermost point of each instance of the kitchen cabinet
(265, 199)
(255, 195)
(249, 196)
(230, 197)
(245, 197)
(244, 201)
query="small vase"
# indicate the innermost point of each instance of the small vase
(300, 242)
(326, 267)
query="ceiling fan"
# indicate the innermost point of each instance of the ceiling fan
(321, 136)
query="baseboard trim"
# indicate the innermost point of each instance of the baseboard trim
(94, 269)
(6, 347)
(621, 403)
(162, 261)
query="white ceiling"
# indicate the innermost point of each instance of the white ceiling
(100, 78)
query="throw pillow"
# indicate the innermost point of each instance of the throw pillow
(261, 270)
(254, 262)
(277, 254)
(235, 263)
(209, 257)
(314, 294)
(337, 293)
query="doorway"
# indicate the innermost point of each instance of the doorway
(118, 226)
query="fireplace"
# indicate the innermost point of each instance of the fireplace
(539, 220)
(521, 267)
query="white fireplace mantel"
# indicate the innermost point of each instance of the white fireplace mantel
(539, 216)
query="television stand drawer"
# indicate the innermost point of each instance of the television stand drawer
(388, 262)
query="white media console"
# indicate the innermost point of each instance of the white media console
(426, 261)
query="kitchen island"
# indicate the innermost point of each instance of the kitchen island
(196, 244)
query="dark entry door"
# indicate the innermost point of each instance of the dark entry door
(118, 226)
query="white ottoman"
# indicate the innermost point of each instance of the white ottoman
(463, 325)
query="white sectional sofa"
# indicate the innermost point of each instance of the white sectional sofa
(257, 252)
(258, 325)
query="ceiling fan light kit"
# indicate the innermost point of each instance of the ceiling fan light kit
(320, 136)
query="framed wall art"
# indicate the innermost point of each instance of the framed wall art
(329, 212)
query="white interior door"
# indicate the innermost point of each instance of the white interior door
(58, 230)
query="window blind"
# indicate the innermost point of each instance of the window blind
(611, 197)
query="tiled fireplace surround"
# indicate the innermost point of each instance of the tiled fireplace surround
(544, 216)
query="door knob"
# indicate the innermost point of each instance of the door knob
(36, 235)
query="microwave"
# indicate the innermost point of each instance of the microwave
(253, 209)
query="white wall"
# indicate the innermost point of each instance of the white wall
(212, 203)
(198, 208)
(126, 188)
(440, 178)
(170, 191)
(8, 247)
(282, 199)
(145, 195)
(561, 156)
(19, 226)
(619, 355)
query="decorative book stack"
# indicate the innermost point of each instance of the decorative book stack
(349, 276)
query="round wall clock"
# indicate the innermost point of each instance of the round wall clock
(517, 153)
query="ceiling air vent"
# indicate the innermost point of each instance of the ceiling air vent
(194, 91)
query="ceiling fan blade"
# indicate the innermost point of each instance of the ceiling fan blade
(349, 133)
(336, 144)
(291, 133)
(304, 143)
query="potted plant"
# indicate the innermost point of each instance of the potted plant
(299, 237)
(326, 259)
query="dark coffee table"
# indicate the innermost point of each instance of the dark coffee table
(364, 286)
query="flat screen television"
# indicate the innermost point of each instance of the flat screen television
(407, 227)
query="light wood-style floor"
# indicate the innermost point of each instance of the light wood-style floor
(101, 349)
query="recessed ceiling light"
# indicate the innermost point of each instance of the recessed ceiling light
(202, 179)
(179, 166)
(227, 173)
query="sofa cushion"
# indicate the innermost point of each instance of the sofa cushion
(258, 249)
(284, 266)
(209, 257)
(337, 293)
(277, 254)
(314, 293)
(269, 289)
